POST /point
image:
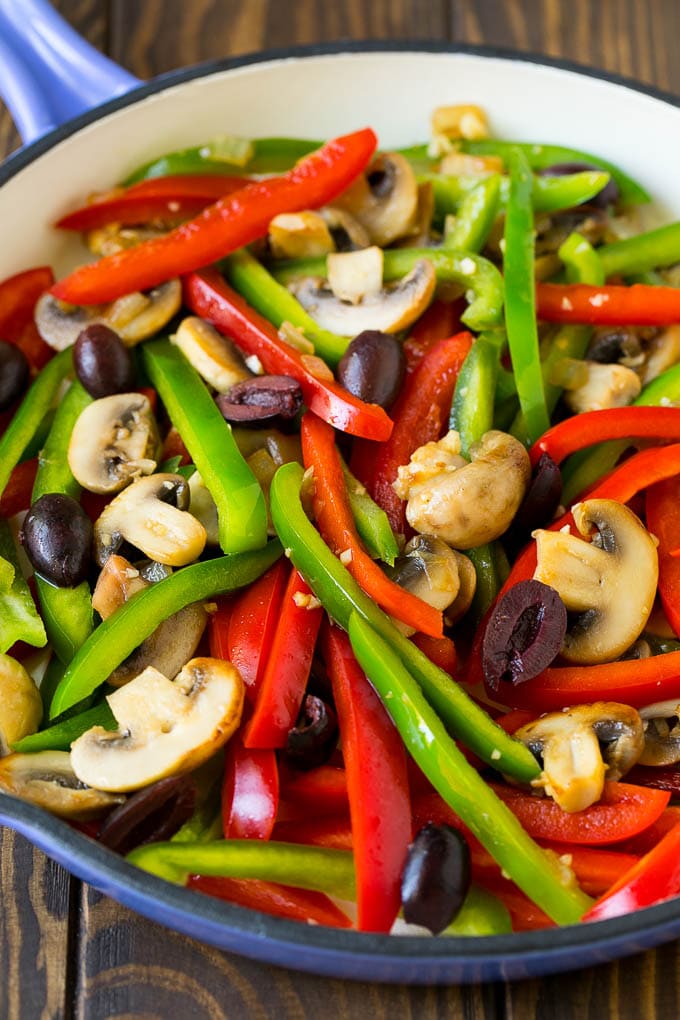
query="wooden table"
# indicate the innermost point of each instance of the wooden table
(67, 951)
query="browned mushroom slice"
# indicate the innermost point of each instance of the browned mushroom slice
(215, 357)
(610, 582)
(662, 733)
(581, 747)
(20, 703)
(384, 199)
(170, 646)
(48, 780)
(114, 440)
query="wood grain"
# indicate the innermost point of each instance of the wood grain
(122, 965)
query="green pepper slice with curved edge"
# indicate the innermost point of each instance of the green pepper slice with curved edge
(534, 870)
(483, 282)
(124, 630)
(61, 735)
(339, 593)
(253, 282)
(548, 194)
(30, 413)
(226, 153)
(241, 509)
(67, 612)
(19, 620)
(474, 217)
(655, 249)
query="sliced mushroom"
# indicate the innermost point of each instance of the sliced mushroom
(166, 727)
(172, 644)
(662, 351)
(662, 733)
(214, 356)
(356, 275)
(465, 164)
(151, 514)
(346, 231)
(429, 569)
(118, 581)
(593, 386)
(393, 308)
(581, 747)
(461, 120)
(299, 235)
(47, 779)
(134, 317)
(20, 703)
(610, 581)
(203, 508)
(114, 440)
(384, 199)
(465, 504)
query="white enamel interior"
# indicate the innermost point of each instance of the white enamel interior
(325, 95)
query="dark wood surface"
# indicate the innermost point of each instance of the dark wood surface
(67, 951)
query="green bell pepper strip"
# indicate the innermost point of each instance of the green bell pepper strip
(61, 735)
(19, 620)
(481, 914)
(540, 157)
(655, 249)
(585, 467)
(548, 194)
(371, 520)
(583, 265)
(30, 414)
(339, 593)
(536, 872)
(474, 217)
(67, 612)
(241, 508)
(124, 630)
(483, 282)
(49, 683)
(271, 299)
(306, 867)
(222, 154)
(520, 302)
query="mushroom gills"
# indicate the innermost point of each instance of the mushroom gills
(114, 440)
(47, 779)
(165, 727)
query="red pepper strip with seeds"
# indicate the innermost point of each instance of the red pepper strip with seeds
(591, 427)
(611, 305)
(336, 524)
(377, 786)
(161, 198)
(232, 222)
(420, 414)
(208, 295)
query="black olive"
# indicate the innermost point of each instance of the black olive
(263, 400)
(150, 815)
(372, 368)
(540, 501)
(102, 362)
(436, 877)
(57, 536)
(524, 634)
(609, 345)
(609, 195)
(14, 372)
(314, 735)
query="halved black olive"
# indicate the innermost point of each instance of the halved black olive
(314, 736)
(436, 877)
(151, 815)
(524, 634)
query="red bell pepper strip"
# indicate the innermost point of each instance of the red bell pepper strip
(17, 494)
(161, 198)
(336, 524)
(441, 651)
(208, 295)
(255, 613)
(377, 784)
(440, 320)
(663, 520)
(18, 297)
(653, 879)
(271, 898)
(653, 834)
(232, 222)
(638, 305)
(319, 791)
(335, 833)
(420, 414)
(286, 672)
(250, 792)
(623, 811)
(218, 628)
(524, 914)
(636, 682)
(582, 430)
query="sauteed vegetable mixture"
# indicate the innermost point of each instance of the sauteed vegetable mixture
(339, 563)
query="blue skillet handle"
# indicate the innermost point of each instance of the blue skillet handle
(48, 73)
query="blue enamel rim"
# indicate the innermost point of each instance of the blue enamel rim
(326, 951)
